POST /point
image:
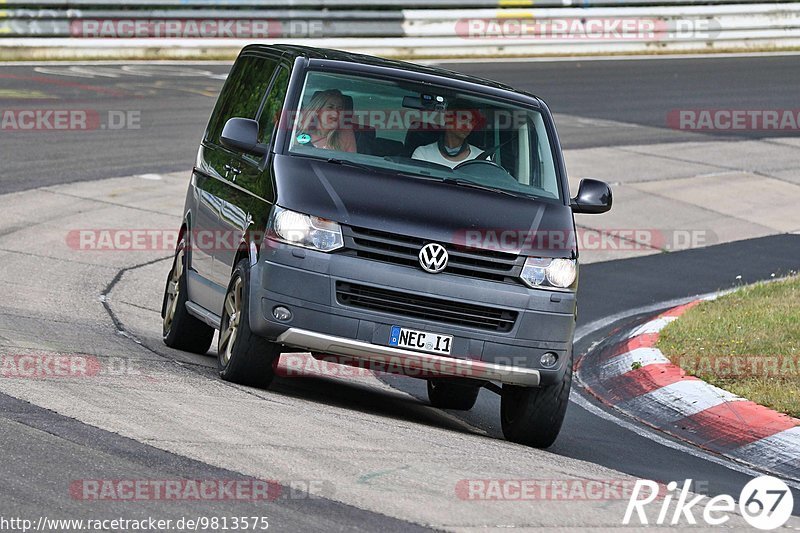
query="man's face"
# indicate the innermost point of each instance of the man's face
(460, 123)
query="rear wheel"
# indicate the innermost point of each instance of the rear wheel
(180, 330)
(533, 416)
(243, 357)
(446, 394)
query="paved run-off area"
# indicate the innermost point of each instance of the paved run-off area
(687, 194)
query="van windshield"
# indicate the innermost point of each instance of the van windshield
(424, 131)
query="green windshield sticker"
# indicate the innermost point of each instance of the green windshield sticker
(304, 138)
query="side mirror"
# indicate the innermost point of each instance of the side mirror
(241, 135)
(593, 197)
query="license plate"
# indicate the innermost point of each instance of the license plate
(420, 340)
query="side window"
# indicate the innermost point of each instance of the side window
(242, 93)
(273, 106)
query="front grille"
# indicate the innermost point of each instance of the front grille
(425, 307)
(404, 250)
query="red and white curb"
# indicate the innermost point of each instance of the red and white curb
(633, 376)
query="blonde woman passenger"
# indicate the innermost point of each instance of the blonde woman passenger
(323, 125)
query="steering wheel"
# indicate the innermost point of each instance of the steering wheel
(472, 164)
(476, 162)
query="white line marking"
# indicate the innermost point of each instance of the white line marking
(600, 323)
(152, 177)
(593, 326)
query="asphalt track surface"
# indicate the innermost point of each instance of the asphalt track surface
(40, 447)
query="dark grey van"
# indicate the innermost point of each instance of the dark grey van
(378, 213)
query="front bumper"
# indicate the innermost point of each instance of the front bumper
(305, 281)
(411, 363)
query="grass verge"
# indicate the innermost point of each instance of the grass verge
(747, 342)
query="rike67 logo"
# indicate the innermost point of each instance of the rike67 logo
(765, 503)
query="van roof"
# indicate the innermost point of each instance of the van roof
(294, 51)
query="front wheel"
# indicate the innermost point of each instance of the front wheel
(181, 330)
(446, 394)
(243, 357)
(533, 416)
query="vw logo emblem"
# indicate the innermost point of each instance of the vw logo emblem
(433, 258)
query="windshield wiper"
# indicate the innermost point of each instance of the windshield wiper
(347, 162)
(472, 185)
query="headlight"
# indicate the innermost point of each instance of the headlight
(307, 231)
(540, 272)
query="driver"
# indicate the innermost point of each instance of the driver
(452, 147)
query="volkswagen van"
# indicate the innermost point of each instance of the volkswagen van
(383, 214)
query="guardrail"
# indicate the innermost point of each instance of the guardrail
(478, 28)
(358, 4)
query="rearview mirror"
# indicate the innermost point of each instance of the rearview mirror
(594, 196)
(241, 134)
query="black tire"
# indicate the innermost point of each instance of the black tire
(243, 357)
(533, 415)
(446, 394)
(180, 330)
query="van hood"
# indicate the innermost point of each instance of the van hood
(427, 209)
